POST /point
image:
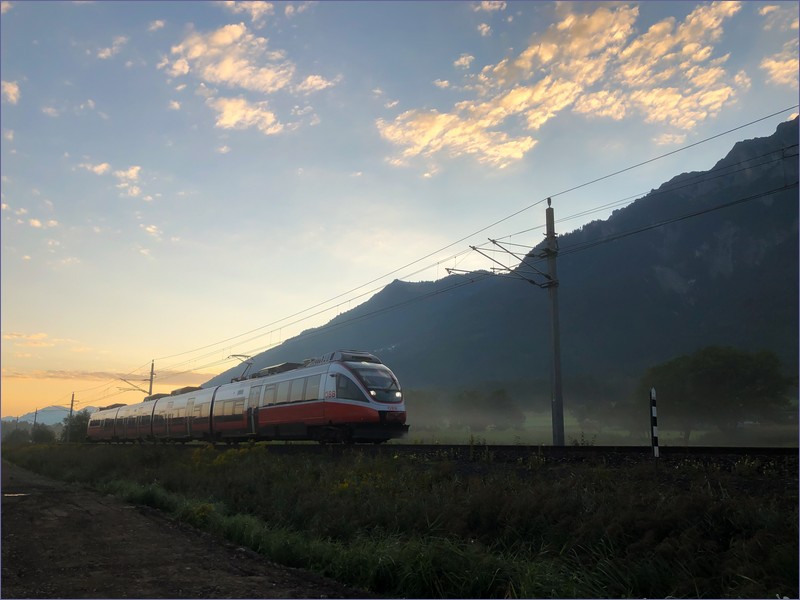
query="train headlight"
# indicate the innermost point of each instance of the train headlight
(398, 395)
(373, 393)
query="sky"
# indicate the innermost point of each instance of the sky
(187, 181)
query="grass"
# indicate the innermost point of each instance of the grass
(430, 527)
(537, 429)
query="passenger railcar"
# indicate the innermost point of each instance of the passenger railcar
(344, 396)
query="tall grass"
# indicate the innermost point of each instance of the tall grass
(430, 527)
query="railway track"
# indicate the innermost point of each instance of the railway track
(519, 453)
(512, 453)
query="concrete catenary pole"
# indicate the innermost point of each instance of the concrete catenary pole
(69, 421)
(152, 366)
(557, 398)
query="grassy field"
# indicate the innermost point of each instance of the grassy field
(414, 526)
(537, 429)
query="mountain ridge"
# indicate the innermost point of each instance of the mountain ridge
(709, 257)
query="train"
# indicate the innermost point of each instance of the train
(345, 396)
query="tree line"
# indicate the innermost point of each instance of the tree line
(714, 387)
(72, 429)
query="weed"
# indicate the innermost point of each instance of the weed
(430, 526)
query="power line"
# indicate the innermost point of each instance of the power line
(479, 276)
(700, 178)
(589, 244)
(481, 230)
(499, 221)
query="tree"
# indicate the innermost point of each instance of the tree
(42, 434)
(17, 437)
(717, 386)
(75, 429)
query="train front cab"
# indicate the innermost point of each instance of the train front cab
(365, 397)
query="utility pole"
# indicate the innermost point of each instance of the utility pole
(152, 366)
(35, 415)
(550, 252)
(69, 422)
(551, 283)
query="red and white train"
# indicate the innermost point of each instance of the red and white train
(344, 396)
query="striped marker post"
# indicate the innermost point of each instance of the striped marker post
(653, 422)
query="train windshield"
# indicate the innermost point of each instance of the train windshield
(379, 381)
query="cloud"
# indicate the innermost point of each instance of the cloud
(29, 340)
(174, 105)
(484, 30)
(156, 25)
(51, 111)
(10, 91)
(781, 17)
(99, 169)
(464, 61)
(129, 175)
(5, 6)
(116, 46)
(233, 57)
(314, 83)
(429, 132)
(128, 179)
(180, 377)
(592, 63)
(782, 68)
(84, 106)
(238, 113)
(666, 139)
(441, 83)
(489, 6)
(132, 190)
(257, 11)
(151, 230)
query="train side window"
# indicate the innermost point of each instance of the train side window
(347, 389)
(255, 392)
(297, 390)
(227, 409)
(312, 388)
(238, 407)
(283, 391)
(269, 394)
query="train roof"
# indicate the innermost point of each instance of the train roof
(337, 356)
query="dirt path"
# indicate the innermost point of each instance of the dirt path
(62, 541)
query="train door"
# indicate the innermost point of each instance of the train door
(189, 416)
(252, 409)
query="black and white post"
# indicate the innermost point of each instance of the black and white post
(653, 422)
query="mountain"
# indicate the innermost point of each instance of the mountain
(50, 415)
(708, 258)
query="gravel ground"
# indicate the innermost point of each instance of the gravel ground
(60, 540)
